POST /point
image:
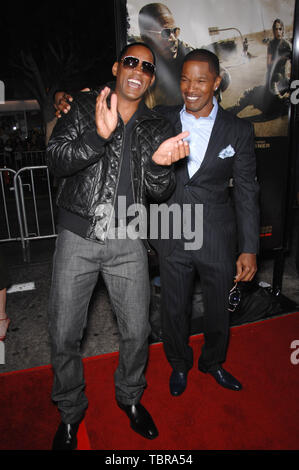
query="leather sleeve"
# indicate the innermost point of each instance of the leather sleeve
(71, 147)
(159, 180)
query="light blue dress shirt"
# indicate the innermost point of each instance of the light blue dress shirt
(200, 130)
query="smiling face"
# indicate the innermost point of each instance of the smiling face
(132, 83)
(198, 85)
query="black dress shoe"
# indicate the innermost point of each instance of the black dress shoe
(140, 420)
(177, 383)
(66, 437)
(225, 379)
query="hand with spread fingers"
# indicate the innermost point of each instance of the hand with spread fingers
(62, 102)
(246, 267)
(172, 150)
(106, 118)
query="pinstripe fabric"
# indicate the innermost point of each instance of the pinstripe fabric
(230, 226)
(177, 281)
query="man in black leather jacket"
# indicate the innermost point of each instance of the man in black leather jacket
(109, 146)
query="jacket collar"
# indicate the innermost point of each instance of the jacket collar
(219, 130)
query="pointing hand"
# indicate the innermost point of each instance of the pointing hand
(172, 150)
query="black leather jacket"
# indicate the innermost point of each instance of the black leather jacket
(88, 167)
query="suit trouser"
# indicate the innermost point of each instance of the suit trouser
(77, 263)
(177, 273)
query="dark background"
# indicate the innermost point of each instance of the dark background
(83, 34)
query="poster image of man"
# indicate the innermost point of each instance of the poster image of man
(251, 39)
(157, 28)
(271, 100)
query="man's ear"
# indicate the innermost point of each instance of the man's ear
(115, 68)
(217, 82)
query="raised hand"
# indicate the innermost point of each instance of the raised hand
(106, 119)
(172, 150)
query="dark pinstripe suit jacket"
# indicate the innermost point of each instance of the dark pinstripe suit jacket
(230, 215)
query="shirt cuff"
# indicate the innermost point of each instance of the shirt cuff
(158, 168)
(94, 140)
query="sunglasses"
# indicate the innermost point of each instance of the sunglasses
(166, 32)
(234, 298)
(131, 62)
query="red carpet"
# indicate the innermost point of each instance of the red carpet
(263, 416)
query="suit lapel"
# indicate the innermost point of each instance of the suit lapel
(217, 134)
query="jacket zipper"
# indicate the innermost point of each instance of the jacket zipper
(118, 177)
(148, 248)
(144, 241)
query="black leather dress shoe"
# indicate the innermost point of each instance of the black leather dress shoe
(177, 383)
(140, 420)
(66, 437)
(225, 379)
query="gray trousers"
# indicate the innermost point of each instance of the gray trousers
(76, 267)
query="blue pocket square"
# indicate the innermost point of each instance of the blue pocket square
(227, 152)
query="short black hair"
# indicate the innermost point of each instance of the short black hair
(150, 14)
(124, 50)
(204, 55)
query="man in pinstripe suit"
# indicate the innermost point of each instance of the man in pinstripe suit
(221, 148)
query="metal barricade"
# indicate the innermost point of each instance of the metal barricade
(8, 231)
(28, 208)
(41, 206)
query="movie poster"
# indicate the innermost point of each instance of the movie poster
(253, 41)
